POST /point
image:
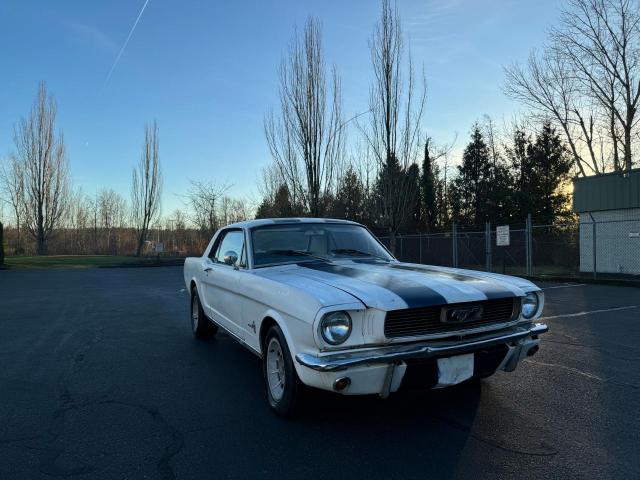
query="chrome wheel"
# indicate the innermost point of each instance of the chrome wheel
(194, 312)
(275, 369)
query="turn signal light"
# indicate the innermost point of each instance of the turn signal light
(341, 383)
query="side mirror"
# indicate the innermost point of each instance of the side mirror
(230, 257)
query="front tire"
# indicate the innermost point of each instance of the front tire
(201, 326)
(284, 388)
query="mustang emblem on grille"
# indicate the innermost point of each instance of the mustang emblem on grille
(461, 314)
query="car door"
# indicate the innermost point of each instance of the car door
(221, 278)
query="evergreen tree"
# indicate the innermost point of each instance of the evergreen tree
(264, 209)
(470, 189)
(350, 198)
(442, 209)
(279, 207)
(483, 189)
(414, 222)
(501, 202)
(523, 173)
(549, 168)
(428, 199)
(394, 179)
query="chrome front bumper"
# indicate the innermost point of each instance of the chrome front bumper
(397, 353)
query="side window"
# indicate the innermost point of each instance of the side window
(230, 248)
(216, 246)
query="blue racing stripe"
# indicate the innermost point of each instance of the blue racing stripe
(491, 288)
(413, 293)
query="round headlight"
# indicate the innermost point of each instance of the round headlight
(529, 305)
(335, 327)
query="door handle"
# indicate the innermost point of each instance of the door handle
(207, 269)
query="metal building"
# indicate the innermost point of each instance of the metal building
(609, 210)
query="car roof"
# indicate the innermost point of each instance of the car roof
(275, 221)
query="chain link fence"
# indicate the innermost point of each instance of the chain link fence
(595, 249)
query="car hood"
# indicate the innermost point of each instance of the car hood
(397, 285)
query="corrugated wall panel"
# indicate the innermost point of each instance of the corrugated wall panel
(611, 191)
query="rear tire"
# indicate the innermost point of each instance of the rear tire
(283, 387)
(201, 326)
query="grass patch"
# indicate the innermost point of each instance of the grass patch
(87, 261)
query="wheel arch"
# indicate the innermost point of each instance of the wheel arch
(265, 325)
(269, 319)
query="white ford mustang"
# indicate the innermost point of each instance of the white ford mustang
(325, 305)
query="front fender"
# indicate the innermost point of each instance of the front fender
(295, 331)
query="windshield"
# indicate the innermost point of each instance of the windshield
(306, 242)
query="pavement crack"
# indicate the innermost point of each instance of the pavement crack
(165, 471)
(584, 374)
(174, 446)
(564, 367)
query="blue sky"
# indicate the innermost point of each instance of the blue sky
(206, 71)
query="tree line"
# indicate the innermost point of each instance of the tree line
(396, 178)
(51, 216)
(381, 167)
(502, 184)
(37, 182)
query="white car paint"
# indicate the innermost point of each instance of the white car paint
(295, 296)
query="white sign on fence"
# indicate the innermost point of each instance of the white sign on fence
(502, 236)
(159, 247)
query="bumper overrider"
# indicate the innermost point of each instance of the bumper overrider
(521, 341)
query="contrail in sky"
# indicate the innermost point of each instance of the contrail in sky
(124, 46)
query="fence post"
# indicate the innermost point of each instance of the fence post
(529, 246)
(487, 240)
(454, 236)
(595, 254)
(420, 246)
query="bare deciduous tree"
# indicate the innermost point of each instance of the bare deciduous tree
(204, 199)
(237, 210)
(12, 178)
(110, 210)
(271, 180)
(78, 220)
(146, 186)
(601, 41)
(306, 139)
(395, 119)
(41, 158)
(587, 80)
(547, 86)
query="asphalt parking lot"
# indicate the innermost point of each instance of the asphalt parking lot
(101, 378)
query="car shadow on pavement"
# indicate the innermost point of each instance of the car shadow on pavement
(405, 403)
(411, 431)
(404, 436)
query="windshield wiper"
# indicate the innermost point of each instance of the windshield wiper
(353, 251)
(295, 253)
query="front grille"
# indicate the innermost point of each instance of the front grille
(412, 322)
